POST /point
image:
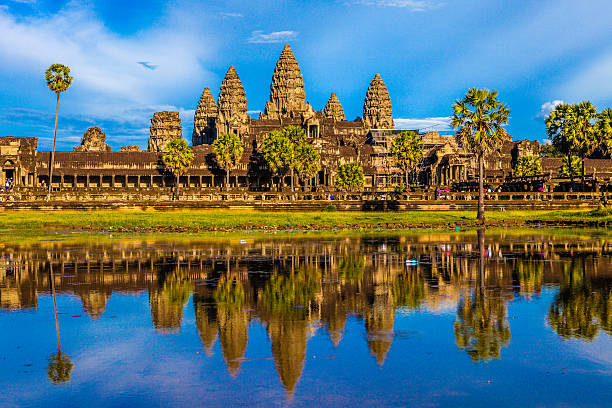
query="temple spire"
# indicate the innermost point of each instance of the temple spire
(333, 109)
(232, 104)
(287, 95)
(377, 112)
(206, 110)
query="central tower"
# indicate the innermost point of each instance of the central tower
(287, 96)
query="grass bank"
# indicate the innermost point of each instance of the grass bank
(227, 221)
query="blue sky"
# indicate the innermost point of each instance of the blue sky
(132, 58)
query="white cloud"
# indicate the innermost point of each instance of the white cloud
(548, 107)
(423, 124)
(412, 5)
(110, 83)
(259, 37)
(231, 15)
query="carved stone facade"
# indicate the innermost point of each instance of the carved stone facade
(93, 141)
(232, 116)
(287, 95)
(333, 110)
(377, 112)
(364, 140)
(165, 126)
(206, 113)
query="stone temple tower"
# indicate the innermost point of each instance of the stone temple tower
(377, 112)
(287, 96)
(333, 109)
(204, 126)
(165, 126)
(232, 103)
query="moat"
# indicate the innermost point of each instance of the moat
(457, 319)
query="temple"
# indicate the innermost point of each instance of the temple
(92, 167)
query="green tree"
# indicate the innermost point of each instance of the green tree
(350, 176)
(570, 165)
(281, 150)
(603, 129)
(549, 150)
(572, 130)
(276, 149)
(479, 119)
(58, 80)
(228, 150)
(528, 166)
(177, 159)
(307, 162)
(407, 151)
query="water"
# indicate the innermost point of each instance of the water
(459, 319)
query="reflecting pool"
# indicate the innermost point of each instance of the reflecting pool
(496, 319)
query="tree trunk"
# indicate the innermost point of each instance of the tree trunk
(571, 172)
(57, 332)
(481, 215)
(406, 177)
(292, 190)
(53, 150)
(177, 187)
(582, 157)
(227, 174)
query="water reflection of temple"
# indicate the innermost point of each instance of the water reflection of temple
(295, 287)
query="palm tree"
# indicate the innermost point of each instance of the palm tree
(528, 166)
(603, 128)
(308, 162)
(350, 176)
(58, 80)
(177, 159)
(572, 130)
(228, 149)
(479, 119)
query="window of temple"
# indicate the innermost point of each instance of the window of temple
(313, 131)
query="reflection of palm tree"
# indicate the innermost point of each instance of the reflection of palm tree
(573, 312)
(60, 366)
(481, 327)
(529, 276)
(289, 295)
(351, 267)
(409, 290)
(167, 304)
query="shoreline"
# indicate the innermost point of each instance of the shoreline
(224, 221)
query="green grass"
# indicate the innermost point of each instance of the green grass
(217, 220)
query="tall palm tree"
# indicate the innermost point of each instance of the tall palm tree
(479, 119)
(58, 80)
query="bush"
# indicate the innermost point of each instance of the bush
(399, 188)
(330, 208)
